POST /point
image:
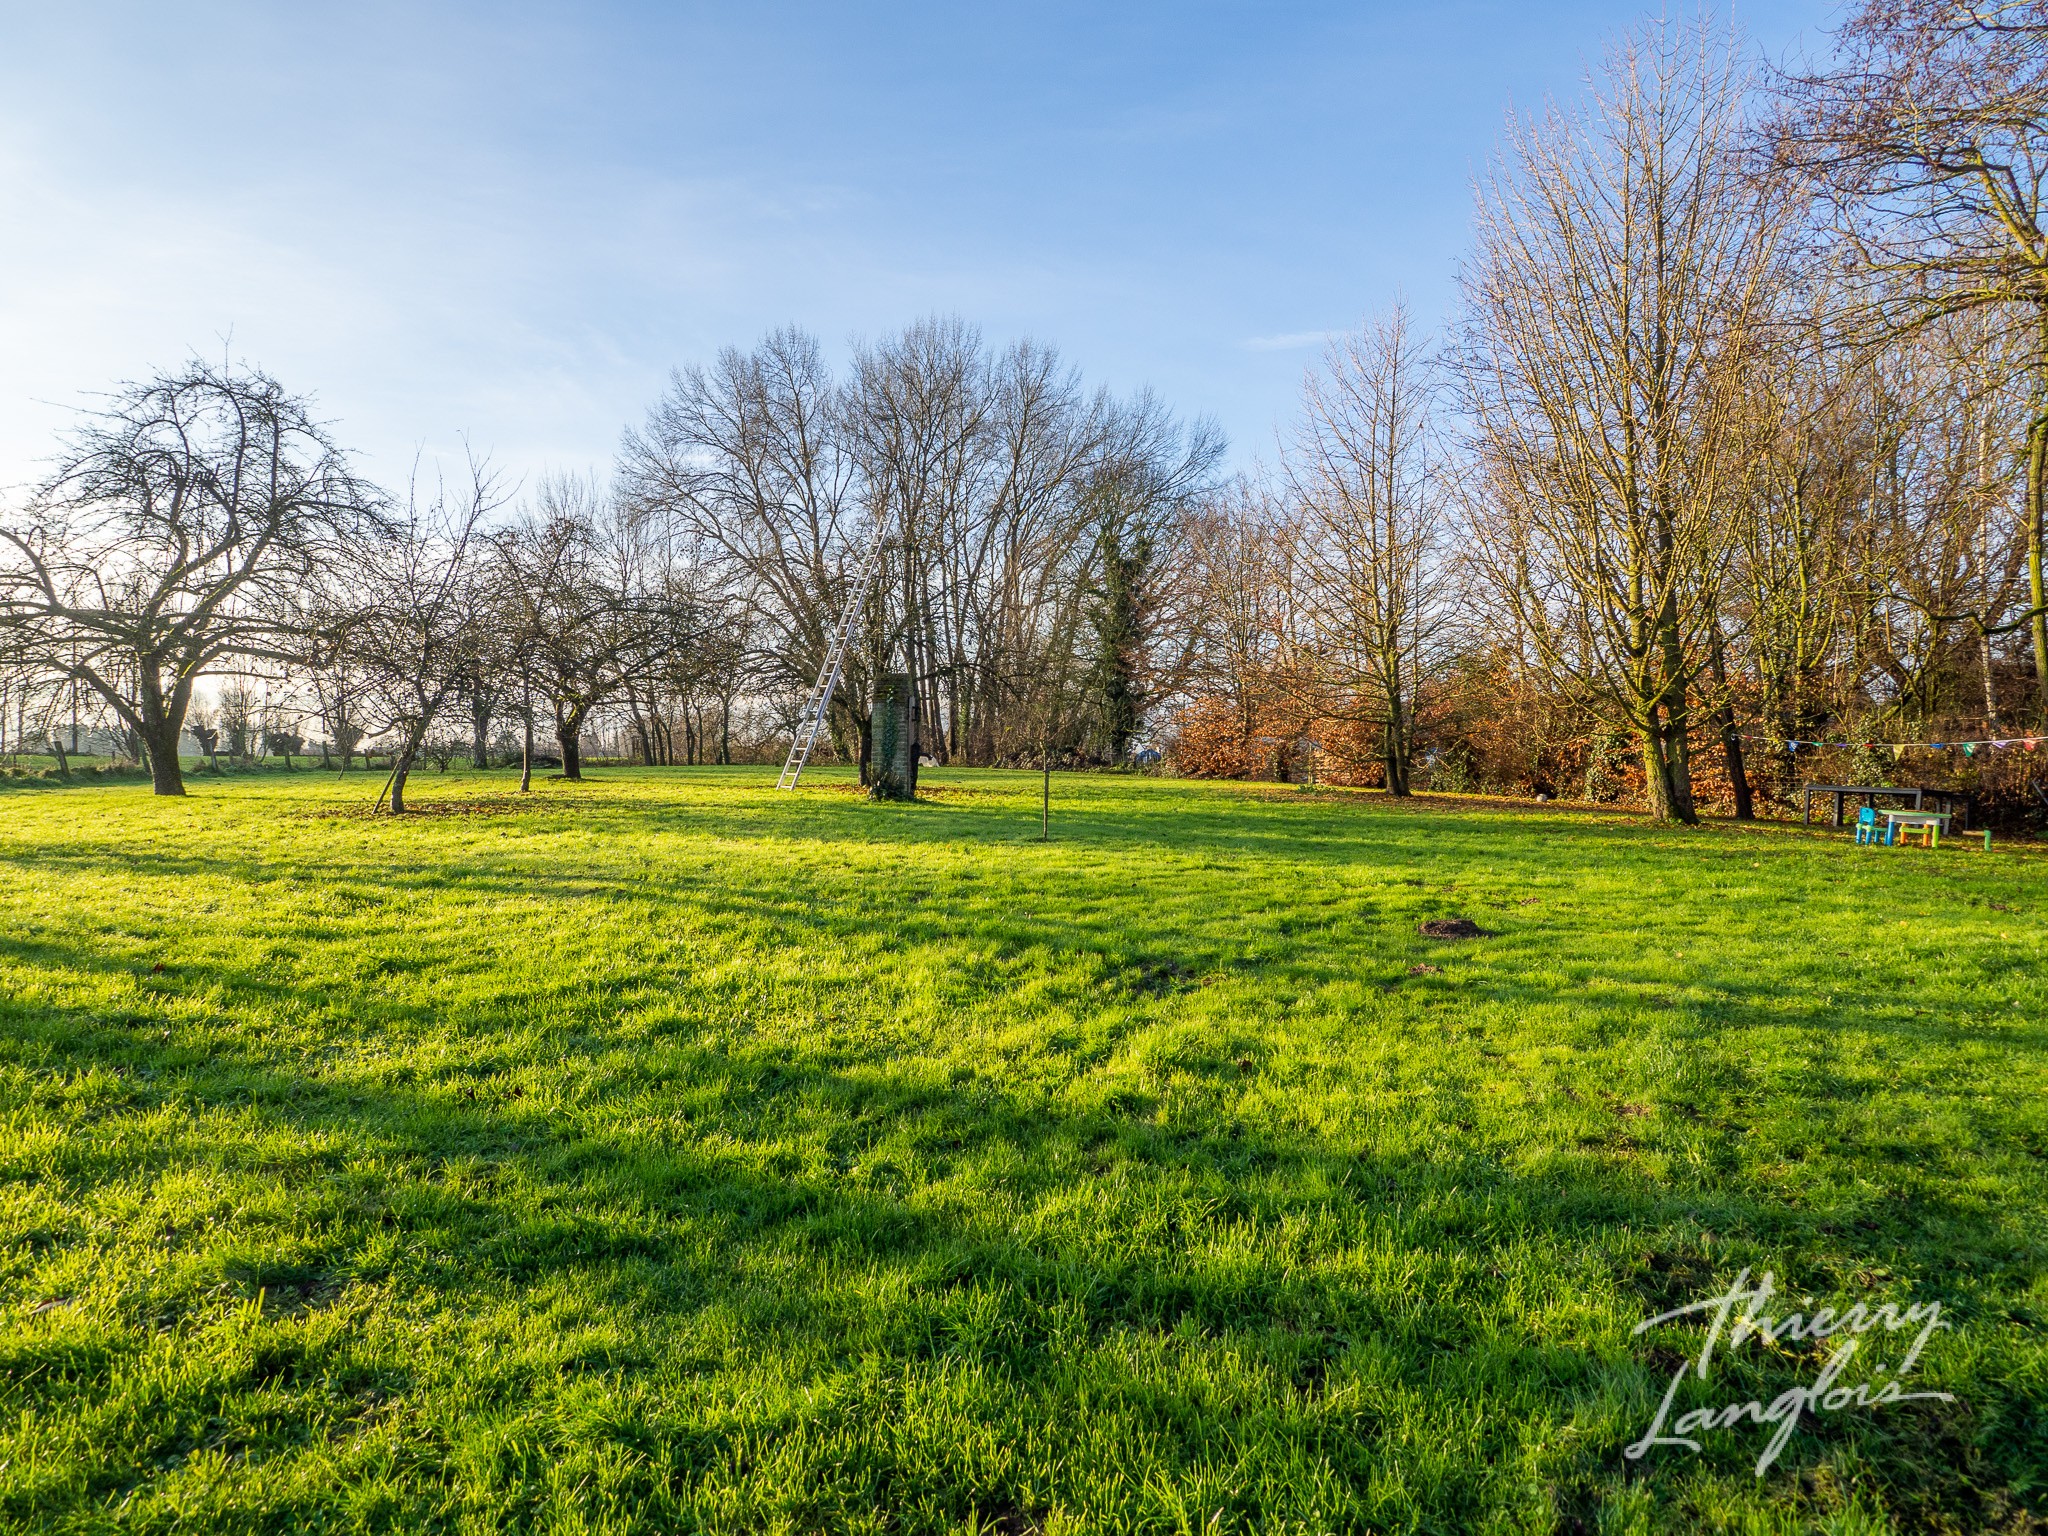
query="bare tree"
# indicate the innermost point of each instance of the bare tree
(1933, 564)
(747, 460)
(338, 689)
(280, 731)
(710, 672)
(410, 621)
(183, 526)
(1012, 584)
(1930, 135)
(1623, 261)
(235, 712)
(917, 414)
(595, 599)
(1244, 630)
(994, 479)
(1371, 503)
(483, 693)
(199, 726)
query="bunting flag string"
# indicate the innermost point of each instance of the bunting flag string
(1967, 748)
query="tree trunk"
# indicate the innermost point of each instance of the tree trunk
(569, 733)
(160, 731)
(1678, 765)
(643, 736)
(2037, 580)
(1667, 771)
(166, 774)
(526, 751)
(402, 759)
(1394, 748)
(480, 735)
(1397, 742)
(1674, 734)
(1738, 768)
(1990, 682)
(1656, 786)
(1731, 737)
(1045, 797)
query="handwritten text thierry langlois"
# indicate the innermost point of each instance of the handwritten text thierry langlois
(1736, 1317)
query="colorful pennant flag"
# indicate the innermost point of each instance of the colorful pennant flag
(1897, 748)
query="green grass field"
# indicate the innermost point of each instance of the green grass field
(663, 1153)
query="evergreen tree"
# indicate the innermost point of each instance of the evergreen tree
(1117, 614)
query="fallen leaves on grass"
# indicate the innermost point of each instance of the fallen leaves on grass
(491, 807)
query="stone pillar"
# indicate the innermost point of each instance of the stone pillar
(893, 765)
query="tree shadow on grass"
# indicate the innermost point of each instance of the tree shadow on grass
(1169, 954)
(1242, 1175)
(784, 1177)
(1174, 948)
(753, 1180)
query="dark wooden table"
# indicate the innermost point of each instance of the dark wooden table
(1954, 802)
(1841, 792)
(1959, 803)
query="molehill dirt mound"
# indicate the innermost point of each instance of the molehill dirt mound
(1452, 928)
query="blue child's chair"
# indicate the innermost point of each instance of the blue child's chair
(1866, 827)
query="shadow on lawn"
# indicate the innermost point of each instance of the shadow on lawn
(1234, 1174)
(1136, 970)
(1314, 831)
(664, 1226)
(1336, 839)
(905, 1171)
(782, 904)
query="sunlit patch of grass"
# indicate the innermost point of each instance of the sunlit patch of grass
(674, 1154)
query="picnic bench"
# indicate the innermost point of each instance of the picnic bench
(1951, 802)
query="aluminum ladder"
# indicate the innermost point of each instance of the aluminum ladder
(812, 720)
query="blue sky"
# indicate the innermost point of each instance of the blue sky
(506, 222)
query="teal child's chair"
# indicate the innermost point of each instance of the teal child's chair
(1866, 827)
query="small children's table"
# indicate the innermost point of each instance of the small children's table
(1903, 824)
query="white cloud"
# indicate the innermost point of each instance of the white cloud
(1288, 341)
